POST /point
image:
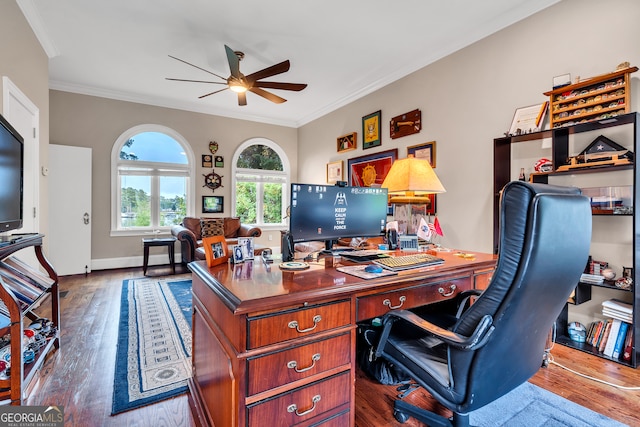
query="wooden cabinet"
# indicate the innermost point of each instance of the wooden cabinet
(23, 291)
(615, 237)
(597, 98)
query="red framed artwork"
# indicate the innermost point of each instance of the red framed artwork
(371, 170)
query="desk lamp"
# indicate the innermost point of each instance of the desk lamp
(410, 180)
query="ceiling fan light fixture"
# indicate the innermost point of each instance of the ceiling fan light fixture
(237, 87)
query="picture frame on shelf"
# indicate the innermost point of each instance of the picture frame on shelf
(372, 169)
(426, 151)
(528, 119)
(335, 171)
(216, 250)
(371, 127)
(347, 142)
(247, 247)
(212, 204)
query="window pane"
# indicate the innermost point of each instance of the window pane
(153, 147)
(135, 204)
(259, 157)
(272, 203)
(246, 199)
(173, 195)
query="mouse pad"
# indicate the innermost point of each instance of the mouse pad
(358, 271)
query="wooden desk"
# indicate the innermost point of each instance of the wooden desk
(280, 345)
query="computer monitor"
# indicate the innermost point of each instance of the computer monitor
(328, 213)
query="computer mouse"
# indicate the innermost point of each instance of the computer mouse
(372, 268)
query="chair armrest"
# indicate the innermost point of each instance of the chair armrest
(183, 234)
(477, 339)
(249, 231)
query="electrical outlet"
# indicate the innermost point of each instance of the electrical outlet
(270, 237)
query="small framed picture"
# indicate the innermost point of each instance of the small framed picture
(212, 204)
(371, 130)
(335, 172)
(424, 151)
(219, 161)
(238, 256)
(246, 245)
(347, 142)
(215, 250)
(207, 161)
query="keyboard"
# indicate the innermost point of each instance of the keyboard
(364, 255)
(405, 262)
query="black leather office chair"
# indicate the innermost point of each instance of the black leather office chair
(467, 358)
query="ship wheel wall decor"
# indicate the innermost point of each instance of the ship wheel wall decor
(212, 180)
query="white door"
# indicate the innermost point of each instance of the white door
(69, 209)
(24, 116)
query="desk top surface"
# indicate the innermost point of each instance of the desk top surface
(252, 285)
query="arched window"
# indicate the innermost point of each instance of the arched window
(261, 182)
(152, 180)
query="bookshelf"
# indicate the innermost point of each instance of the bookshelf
(24, 290)
(616, 230)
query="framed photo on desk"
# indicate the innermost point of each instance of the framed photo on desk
(215, 250)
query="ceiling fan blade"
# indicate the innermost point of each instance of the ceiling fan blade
(277, 85)
(211, 93)
(280, 68)
(199, 68)
(234, 62)
(268, 95)
(194, 81)
(242, 98)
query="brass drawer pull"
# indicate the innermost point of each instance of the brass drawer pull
(294, 408)
(294, 365)
(387, 302)
(294, 324)
(452, 290)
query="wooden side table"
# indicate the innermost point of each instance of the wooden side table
(160, 241)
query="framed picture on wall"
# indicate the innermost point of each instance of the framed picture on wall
(347, 142)
(371, 170)
(424, 151)
(371, 130)
(212, 204)
(335, 171)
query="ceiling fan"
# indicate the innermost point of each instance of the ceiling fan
(240, 83)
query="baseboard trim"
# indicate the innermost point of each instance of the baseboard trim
(130, 262)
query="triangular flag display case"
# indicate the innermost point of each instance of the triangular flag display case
(597, 156)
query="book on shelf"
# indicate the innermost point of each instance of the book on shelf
(628, 345)
(618, 310)
(613, 334)
(603, 342)
(619, 345)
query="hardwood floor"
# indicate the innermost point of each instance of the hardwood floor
(80, 375)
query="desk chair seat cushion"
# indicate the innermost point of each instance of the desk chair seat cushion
(544, 245)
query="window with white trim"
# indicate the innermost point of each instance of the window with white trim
(152, 175)
(261, 183)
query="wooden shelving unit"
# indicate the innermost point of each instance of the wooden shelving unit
(597, 98)
(22, 291)
(565, 143)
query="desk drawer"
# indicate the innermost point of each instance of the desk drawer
(273, 370)
(294, 324)
(301, 404)
(411, 297)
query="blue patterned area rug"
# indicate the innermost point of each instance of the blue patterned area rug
(153, 359)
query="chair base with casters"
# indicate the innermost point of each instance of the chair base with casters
(469, 352)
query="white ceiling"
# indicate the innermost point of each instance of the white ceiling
(343, 49)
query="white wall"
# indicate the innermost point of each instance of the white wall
(467, 99)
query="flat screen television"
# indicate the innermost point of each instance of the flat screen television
(327, 213)
(11, 176)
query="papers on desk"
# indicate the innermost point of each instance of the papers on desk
(358, 271)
